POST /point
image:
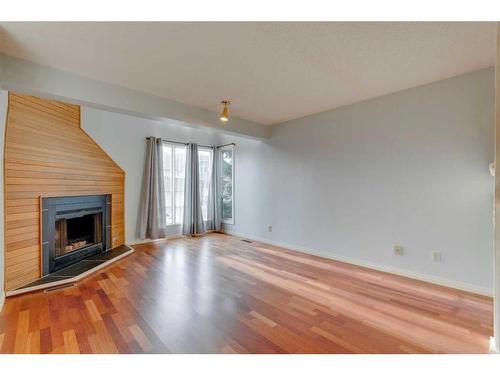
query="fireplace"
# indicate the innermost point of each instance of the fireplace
(77, 233)
(73, 228)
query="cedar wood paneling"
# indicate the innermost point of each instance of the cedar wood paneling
(48, 154)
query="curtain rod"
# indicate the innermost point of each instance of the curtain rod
(185, 144)
(227, 144)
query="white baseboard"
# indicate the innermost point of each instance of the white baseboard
(493, 346)
(379, 267)
(170, 237)
(2, 299)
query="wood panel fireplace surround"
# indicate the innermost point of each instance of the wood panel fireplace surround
(55, 171)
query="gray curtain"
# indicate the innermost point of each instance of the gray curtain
(193, 219)
(153, 213)
(214, 220)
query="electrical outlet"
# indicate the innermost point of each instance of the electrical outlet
(398, 250)
(436, 256)
(269, 228)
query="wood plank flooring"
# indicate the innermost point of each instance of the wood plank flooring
(219, 294)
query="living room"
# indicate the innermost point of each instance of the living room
(249, 188)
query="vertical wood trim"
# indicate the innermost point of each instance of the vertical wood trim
(47, 153)
(496, 286)
(4, 286)
(40, 246)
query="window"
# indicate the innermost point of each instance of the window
(179, 175)
(227, 183)
(205, 170)
(174, 169)
(174, 166)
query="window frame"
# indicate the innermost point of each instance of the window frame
(173, 146)
(211, 151)
(221, 149)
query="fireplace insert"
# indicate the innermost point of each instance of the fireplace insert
(73, 228)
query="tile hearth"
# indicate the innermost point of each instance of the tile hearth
(76, 271)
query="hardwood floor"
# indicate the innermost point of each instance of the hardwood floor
(219, 294)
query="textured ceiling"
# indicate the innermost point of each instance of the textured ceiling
(272, 72)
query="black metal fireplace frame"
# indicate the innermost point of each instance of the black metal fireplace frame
(54, 208)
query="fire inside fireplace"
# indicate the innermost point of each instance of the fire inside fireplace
(77, 233)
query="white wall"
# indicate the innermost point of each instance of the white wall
(123, 138)
(407, 169)
(3, 117)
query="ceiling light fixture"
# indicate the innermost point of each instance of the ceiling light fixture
(224, 115)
